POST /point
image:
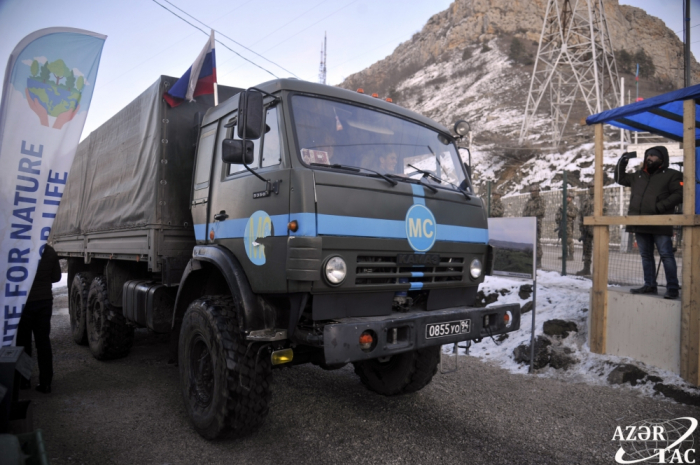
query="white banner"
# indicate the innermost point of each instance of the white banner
(46, 94)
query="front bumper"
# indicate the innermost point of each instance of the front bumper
(404, 332)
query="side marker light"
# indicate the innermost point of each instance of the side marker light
(280, 357)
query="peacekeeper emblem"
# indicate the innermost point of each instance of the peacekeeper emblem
(421, 228)
(259, 225)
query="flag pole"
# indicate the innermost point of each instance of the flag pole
(216, 84)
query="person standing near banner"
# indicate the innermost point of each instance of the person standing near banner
(36, 318)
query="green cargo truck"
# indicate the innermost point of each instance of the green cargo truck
(293, 223)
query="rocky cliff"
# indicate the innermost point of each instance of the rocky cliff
(474, 61)
(469, 22)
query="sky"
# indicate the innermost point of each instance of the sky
(144, 40)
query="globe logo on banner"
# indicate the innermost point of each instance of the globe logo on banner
(259, 225)
(421, 228)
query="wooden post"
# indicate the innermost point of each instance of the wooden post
(601, 240)
(690, 293)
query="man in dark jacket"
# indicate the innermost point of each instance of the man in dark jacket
(656, 190)
(36, 318)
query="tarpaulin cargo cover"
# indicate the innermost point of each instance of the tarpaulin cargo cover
(134, 172)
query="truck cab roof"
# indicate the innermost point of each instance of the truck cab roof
(296, 85)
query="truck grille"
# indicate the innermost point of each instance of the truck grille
(382, 270)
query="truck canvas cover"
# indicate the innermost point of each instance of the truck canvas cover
(135, 171)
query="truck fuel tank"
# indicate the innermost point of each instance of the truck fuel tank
(149, 304)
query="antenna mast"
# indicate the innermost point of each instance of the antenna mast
(575, 57)
(322, 68)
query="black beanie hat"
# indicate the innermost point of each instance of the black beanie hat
(653, 152)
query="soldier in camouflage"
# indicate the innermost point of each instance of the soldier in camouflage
(497, 210)
(587, 231)
(571, 214)
(535, 207)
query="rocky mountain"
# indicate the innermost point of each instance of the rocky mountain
(474, 61)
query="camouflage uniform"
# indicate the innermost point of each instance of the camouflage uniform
(587, 231)
(535, 207)
(571, 214)
(497, 210)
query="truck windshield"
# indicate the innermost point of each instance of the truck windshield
(334, 133)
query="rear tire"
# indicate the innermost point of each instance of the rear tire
(108, 334)
(400, 374)
(77, 307)
(214, 361)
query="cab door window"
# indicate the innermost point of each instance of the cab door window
(232, 133)
(205, 155)
(272, 141)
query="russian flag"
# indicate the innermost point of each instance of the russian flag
(198, 80)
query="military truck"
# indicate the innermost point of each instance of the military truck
(293, 223)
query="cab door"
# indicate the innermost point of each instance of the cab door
(200, 183)
(244, 216)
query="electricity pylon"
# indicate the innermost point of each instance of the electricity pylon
(574, 58)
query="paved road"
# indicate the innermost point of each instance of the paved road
(130, 411)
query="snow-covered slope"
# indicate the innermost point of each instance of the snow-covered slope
(564, 298)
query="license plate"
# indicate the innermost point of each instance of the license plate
(452, 328)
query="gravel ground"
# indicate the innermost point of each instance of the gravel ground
(130, 411)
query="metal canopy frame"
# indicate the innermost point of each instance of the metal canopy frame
(681, 103)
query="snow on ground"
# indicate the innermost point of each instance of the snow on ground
(61, 287)
(565, 298)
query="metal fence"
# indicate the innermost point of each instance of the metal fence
(625, 267)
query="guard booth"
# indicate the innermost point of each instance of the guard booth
(671, 115)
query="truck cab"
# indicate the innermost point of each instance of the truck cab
(345, 228)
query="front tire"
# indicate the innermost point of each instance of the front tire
(108, 335)
(225, 382)
(400, 374)
(77, 307)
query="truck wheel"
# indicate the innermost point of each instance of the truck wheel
(399, 374)
(225, 382)
(77, 307)
(108, 334)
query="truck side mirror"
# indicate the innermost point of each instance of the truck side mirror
(250, 110)
(232, 152)
(468, 169)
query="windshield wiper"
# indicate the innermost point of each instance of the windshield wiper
(414, 181)
(356, 169)
(428, 174)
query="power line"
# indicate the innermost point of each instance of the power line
(205, 33)
(224, 35)
(289, 22)
(691, 27)
(310, 26)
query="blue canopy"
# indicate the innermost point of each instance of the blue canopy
(662, 115)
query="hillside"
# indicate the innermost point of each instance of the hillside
(474, 61)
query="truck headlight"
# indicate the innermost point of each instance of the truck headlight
(335, 270)
(475, 268)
